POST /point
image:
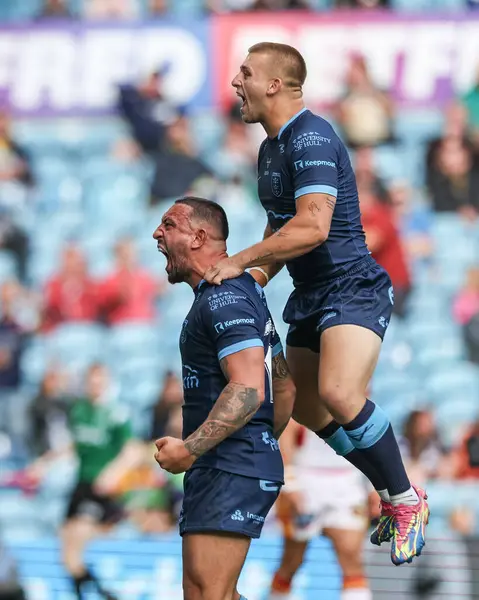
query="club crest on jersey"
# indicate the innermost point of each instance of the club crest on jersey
(276, 184)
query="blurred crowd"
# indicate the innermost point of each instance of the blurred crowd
(131, 9)
(35, 431)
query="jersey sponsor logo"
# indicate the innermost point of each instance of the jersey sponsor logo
(302, 164)
(190, 378)
(391, 295)
(222, 325)
(308, 139)
(276, 184)
(237, 515)
(183, 332)
(285, 216)
(90, 435)
(268, 486)
(270, 441)
(269, 327)
(255, 518)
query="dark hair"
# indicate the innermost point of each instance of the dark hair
(290, 60)
(209, 211)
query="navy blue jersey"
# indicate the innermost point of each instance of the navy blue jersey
(308, 157)
(224, 320)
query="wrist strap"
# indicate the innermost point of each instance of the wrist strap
(261, 271)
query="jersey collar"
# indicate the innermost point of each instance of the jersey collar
(293, 118)
(197, 288)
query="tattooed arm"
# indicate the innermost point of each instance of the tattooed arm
(305, 231)
(284, 392)
(237, 403)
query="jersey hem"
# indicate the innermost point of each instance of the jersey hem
(269, 477)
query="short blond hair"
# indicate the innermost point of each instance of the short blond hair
(291, 61)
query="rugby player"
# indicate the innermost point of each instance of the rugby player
(106, 450)
(323, 494)
(233, 368)
(342, 301)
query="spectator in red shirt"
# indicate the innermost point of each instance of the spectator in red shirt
(385, 244)
(130, 292)
(71, 295)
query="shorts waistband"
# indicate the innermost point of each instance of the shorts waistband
(359, 265)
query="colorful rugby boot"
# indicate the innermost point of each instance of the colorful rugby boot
(409, 528)
(385, 528)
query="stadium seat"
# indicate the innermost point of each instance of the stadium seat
(77, 344)
(133, 340)
(8, 266)
(460, 384)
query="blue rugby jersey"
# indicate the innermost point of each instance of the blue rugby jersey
(223, 320)
(308, 157)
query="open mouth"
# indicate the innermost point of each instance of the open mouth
(166, 255)
(243, 99)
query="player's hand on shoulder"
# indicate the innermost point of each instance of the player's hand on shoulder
(172, 455)
(224, 269)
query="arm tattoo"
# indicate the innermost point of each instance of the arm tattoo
(234, 408)
(313, 208)
(331, 202)
(280, 367)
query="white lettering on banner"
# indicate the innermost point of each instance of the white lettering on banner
(465, 69)
(428, 58)
(412, 56)
(102, 76)
(45, 71)
(80, 69)
(182, 52)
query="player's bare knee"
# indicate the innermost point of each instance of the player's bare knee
(312, 416)
(342, 400)
(203, 590)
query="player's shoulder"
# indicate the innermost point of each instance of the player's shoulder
(311, 129)
(231, 291)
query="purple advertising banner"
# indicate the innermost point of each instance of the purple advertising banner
(66, 69)
(424, 61)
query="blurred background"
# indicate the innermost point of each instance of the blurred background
(109, 109)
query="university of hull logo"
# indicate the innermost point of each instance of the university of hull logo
(276, 184)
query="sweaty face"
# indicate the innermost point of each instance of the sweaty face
(173, 238)
(251, 85)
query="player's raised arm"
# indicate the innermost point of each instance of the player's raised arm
(305, 231)
(237, 403)
(264, 273)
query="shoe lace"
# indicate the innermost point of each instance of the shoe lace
(406, 519)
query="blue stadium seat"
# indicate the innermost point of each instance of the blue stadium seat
(115, 200)
(456, 412)
(460, 384)
(8, 266)
(133, 340)
(77, 344)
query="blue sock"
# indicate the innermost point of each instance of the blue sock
(372, 435)
(335, 436)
